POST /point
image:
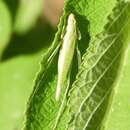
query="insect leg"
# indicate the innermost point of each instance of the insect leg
(54, 53)
(78, 55)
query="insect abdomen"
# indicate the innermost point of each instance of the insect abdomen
(66, 53)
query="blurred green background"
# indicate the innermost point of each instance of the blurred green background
(27, 28)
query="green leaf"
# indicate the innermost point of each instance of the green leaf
(5, 26)
(27, 14)
(94, 11)
(42, 109)
(15, 87)
(117, 116)
(99, 71)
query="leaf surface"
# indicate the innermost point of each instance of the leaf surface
(42, 109)
(98, 71)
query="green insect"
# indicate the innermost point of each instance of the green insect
(67, 52)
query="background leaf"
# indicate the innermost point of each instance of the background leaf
(27, 14)
(5, 26)
(20, 62)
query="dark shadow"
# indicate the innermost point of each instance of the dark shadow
(83, 27)
(13, 6)
(38, 38)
